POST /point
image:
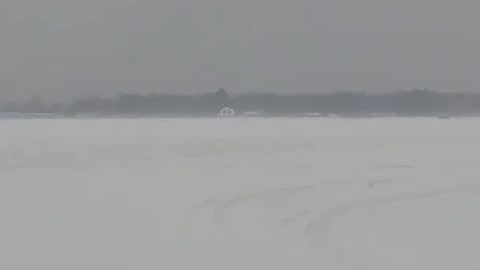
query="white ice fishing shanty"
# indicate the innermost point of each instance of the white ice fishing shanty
(226, 112)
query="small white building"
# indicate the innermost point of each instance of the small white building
(226, 112)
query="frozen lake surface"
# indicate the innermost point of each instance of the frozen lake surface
(256, 194)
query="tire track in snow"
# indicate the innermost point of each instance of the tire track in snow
(318, 230)
(219, 208)
(313, 222)
(281, 195)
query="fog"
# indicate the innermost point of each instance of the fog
(62, 49)
(255, 134)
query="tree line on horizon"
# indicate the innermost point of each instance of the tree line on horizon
(409, 103)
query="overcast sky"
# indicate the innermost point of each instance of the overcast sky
(68, 48)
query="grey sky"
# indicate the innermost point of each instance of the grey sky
(69, 48)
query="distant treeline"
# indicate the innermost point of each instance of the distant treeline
(409, 103)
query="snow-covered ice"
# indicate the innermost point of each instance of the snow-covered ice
(254, 194)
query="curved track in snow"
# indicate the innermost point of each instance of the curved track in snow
(315, 212)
